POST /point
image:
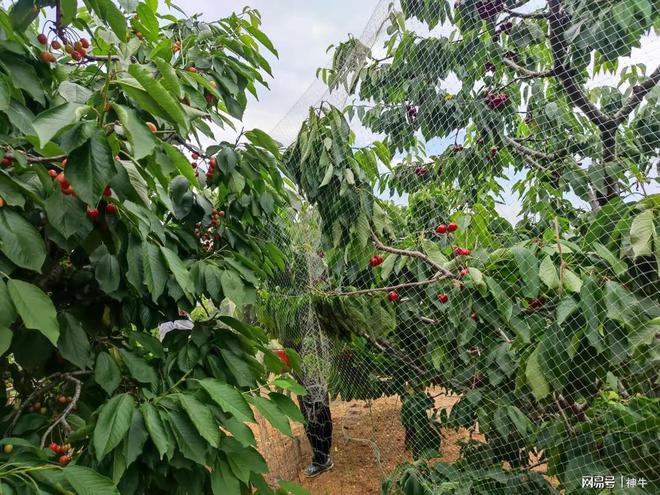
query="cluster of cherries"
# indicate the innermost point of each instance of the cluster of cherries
(210, 172)
(77, 50)
(421, 171)
(411, 112)
(209, 234)
(443, 229)
(496, 100)
(487, 9)
(110, 208)
(64, 451)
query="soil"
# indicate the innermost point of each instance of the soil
(368, 443)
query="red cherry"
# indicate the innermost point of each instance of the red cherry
(474, 316)
(443, 298)
(464, 272)
(64, 460)
(93, 213)
(283, 356)
(452, 227)
(56, 45)
(42, 38)
(221, 214)
(107, 192)
(442, 229)
(152, 127)
(6, 162)
(393, 296)
(54, 447)
(110, 208)
(376, 260)
(195, 156)
(52, 173)
(76, 56)
(84, 42)
(62, 180)
(212, 162)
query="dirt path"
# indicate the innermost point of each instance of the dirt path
(368, 443)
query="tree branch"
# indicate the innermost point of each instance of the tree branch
(527, 15)
(62, 417)
(558, 23)
(638, 94)
(412, 254)
(527, 73)
(390, 288)
(37, 159)
(48, 383)
(535, 153)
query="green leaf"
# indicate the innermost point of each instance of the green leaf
(223, 482)
(5, 339)
(181, 163)
(106, 269)
(228, 398)
(238, 367)
(291, 385)
(202, 418)
(233, 287)
(287, 406)
(272, 413)
(108, 11)
(141, 137)
(434, 252)
(155, 271)
(165, 100)
(504, 304)
(86, 481)
(35, 309)
(260, 138)
(618, 266)
(528, 269)
(548, 273)
(170, 79)
(138, 367)
(51, 122)
(67, 215)
(113, 424)
(593, 309)
(137, 436)
(23, 75)
(572, 282)
(20, 241)
(7, 310)
(566, 308)
(155, 428)
(182, 197)
(106, 373)
(73, 343)
(535, 378)
(190, 443)
(91, 167)
(181, 273)
(641, 232)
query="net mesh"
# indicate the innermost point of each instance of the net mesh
(475, 251)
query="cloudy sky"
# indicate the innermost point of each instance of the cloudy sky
(301, 30)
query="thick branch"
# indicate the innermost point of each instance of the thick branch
(412, 254)
(558, 23)
(638, 94)
(535, 153)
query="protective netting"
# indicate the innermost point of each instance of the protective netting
(478, 220)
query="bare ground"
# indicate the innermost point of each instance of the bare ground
(368, 443)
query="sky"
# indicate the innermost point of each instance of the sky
(301, 30)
